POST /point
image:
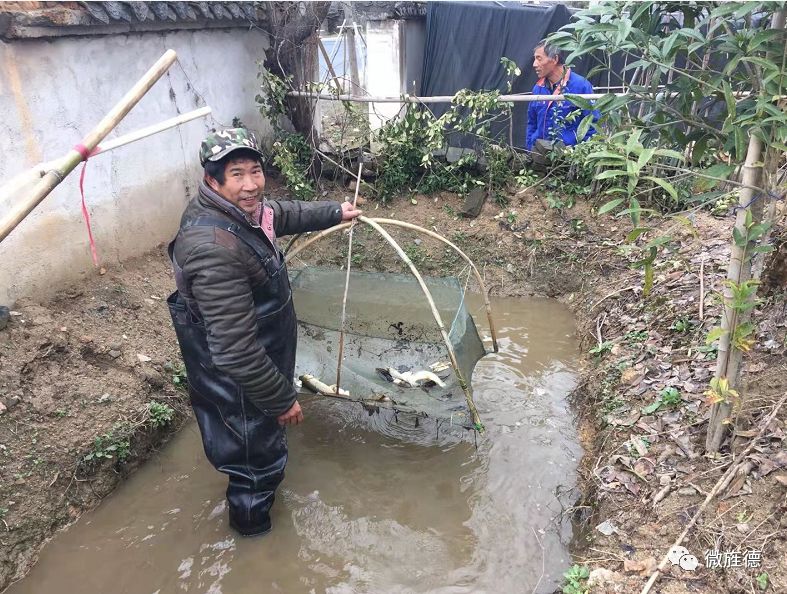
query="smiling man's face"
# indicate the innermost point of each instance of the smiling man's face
(243, 184)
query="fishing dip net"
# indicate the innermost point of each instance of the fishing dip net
(395, 356)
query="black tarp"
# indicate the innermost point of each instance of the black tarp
(464, 44)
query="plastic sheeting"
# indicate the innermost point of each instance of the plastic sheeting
(389, 324)
(464, 44)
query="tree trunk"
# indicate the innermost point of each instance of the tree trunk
(293, 52)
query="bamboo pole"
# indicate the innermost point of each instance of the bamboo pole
(728, 362)
(406, 98)
(293, 251)
(314, 238)
(347, 284)
(32, 175)
(151, 130)
(89, 142)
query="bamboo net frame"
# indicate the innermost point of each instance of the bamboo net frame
(375, 224)
(487, 305)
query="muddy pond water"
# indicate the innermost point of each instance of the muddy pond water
(369, 503)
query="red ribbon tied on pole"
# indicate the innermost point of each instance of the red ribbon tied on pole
(83, 150)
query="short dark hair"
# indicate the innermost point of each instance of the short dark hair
(550, 50)
(217, 169)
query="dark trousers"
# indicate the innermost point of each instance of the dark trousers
(249, 447)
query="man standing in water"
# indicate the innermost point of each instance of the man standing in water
(554, 121)
(235, 320)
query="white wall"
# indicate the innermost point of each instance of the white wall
(52, 92)
(383, 68)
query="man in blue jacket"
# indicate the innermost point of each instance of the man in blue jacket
(553, 121)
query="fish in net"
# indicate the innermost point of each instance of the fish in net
(394, 354)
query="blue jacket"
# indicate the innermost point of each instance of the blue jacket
(546, 119)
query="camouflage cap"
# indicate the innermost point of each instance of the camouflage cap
(221, 143)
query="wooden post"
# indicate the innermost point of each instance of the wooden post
(74, 157)
(347, 283)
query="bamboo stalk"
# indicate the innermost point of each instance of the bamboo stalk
(90, 142)
(702, 288)
(151, 130)
(314, 238)
(407, 98)
(36, 172)
(347, 284)
(293, 251)
(728, 362)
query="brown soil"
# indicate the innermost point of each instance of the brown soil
(70, 373)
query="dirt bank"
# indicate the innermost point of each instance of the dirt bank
(79, 373)
(86, 394)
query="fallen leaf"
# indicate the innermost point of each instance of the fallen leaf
(644, 466)
(607, 528)
(643, 567)
(639, 445)
(623, 420)
(765, 465)
(683, 441)
(631, 376)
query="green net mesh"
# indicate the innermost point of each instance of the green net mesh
(389, 324)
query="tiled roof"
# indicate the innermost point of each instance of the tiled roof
(379, 10)
(27, 20)
(139, 12)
